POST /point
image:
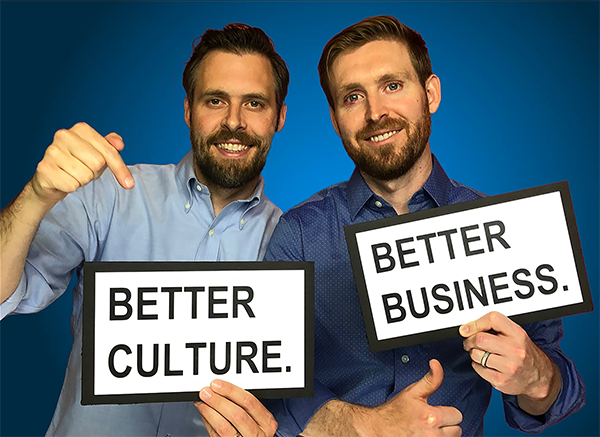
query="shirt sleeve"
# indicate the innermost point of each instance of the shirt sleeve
(547, 335)
(293, 414)
(65, 238)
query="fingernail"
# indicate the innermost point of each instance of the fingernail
(204, 394)
(216, 384)
(464, 329)
(129, 182)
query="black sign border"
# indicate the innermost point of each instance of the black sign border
(89, 279)
(350, 231)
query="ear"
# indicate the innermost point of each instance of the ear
(187, 112)
(282, 114)
(434, 92)
(334, 121)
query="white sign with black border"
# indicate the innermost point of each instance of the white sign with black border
(421, 275)
(161, 331)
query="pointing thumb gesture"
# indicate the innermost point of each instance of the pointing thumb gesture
(409, 411)
(432, 380)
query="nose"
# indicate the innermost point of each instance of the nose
(234, 118)
(376, 109)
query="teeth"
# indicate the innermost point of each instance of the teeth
(382, 137)
(230, 147)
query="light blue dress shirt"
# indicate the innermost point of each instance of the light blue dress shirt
(167, 216)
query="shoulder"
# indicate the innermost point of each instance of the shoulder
(323, 202)
(459, 192)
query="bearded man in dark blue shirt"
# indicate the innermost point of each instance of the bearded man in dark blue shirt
(381, 90)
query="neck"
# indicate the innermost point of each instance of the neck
(398, 192)
(221, 197)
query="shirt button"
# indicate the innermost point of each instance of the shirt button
(187, 205)
(198, 187)
(242, 221)
(405, 359)
(211, 232)
(378, 204)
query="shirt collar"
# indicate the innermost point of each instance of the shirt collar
(437, 186)
(186, 182)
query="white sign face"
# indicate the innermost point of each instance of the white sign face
(156, 332)
(422, 275)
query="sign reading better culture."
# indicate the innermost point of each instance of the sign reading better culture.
(161, 331)
(421, 275)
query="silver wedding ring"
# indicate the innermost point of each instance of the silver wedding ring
(484, 359)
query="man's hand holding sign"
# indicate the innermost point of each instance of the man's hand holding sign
(228, 410)
(504, 355)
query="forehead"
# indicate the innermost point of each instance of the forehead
(235, 74)
(371, 61)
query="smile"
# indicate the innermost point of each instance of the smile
(232, 147)
(385, 136)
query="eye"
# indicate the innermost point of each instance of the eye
(214, 102)
(394, 86)
(255, 104)
(352, 98)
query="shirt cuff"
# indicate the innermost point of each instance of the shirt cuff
(293, 414)
(570, 399)
(11, 304)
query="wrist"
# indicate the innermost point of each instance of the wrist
(37, 199)
(541, 397)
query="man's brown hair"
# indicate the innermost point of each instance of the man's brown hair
(239, 39)
(379, 28)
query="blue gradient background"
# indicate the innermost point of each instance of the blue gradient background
(520, 108)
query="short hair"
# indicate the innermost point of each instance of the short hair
(239, 39)
(379, 28)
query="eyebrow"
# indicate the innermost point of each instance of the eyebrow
(222, 93)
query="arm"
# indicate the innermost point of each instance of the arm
(75, 157)
(406, 414)
(228, 410)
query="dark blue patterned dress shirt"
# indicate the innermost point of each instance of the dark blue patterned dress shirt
(345, 368)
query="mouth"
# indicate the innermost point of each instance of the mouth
(232, 146)
(382, 136)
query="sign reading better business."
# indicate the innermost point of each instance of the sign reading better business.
(161, 331)
(421, 275)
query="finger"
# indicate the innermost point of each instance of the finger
(484, 341)
(220, 425)
(115, 140)
(75, 168)
(237, 416)
(448, 416)
(490, 375)
(451, 431)
(111, 155)
(263, 417)
(491, 321)
(199, 406)
(430, 382)
(60, 171)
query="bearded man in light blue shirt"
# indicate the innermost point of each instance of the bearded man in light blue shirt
(209, 207)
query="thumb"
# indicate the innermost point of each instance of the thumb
(427, 385)
(115, 140)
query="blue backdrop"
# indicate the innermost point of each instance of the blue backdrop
(520, 108)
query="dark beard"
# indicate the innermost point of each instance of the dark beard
(234, 173)
(387, 162)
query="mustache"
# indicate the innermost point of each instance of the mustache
(386, 124)
(225, 135)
